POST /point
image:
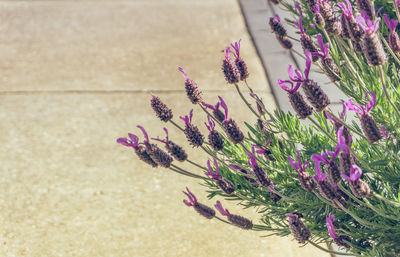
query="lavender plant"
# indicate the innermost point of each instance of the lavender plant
(352, 200)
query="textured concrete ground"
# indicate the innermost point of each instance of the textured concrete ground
(75, 75)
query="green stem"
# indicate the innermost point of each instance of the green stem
(197, 165)
(358, 219)
(331, 251)
(245, 101)
(322, 129)
(393, 203)
(381, 74)
(186, 173)
(176, 125)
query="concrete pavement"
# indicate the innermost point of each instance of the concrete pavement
(76, 75)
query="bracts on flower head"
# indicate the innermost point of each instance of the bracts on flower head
(302, 109)
(192, 132)
(202, 209)
(159, 156)
(215, 139)
(161, 110)
(261, 177)
(345, 133)
(299, 231)
(305, 40)
(368, 125)
(229, 68)
(331, 167)
(329, 66)
(306, 181)
(340, 240)
(394, 40)
(192, 91)
(275, 197)
(371, 44)
(236, 220)
(332, 24)
(315, 95)
(264, 150)
(217, 113)
(325, 188)
(240, 64)
(140, 150)
(358, 187)
(341, 199)
(224, 184)
(232, 130)
(175, 150)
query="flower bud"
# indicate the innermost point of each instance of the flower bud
(299, 231)
(236, 220)
(300, 106)
(232, 131)
(161, 110)
(215, 140)
(202, 209)
(370, 129)
(285, 42)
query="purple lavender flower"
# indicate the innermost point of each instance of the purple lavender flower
(221, 182)
(302, 109)
(394, 40)
(332, 24)
(140, 150)
(358, 187)
(192, 132)
(315, 95)
(332, 168)
(217, 113)
(231, 128)
(367, 7)
(261, 177)
(236, 220)
(325, 188)
(240, 64)
(159, 156)
(229, 68)
(175, 150)
(202, 209)
(384, 134)
(306, 181)
(331, 229)
(264, 150)
(305, 40)
(345, 158)
(369, 127)
(299, 231)
(353, 28)
(272, 193)
(247, 177)
(276, 26)
(161, 109)
(215, 139)
(345, 133)
(328, 64)
(371, 44)
(192, 90)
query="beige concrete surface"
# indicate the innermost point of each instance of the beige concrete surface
(76, 75)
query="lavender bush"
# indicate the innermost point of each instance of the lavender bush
(335, 181)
